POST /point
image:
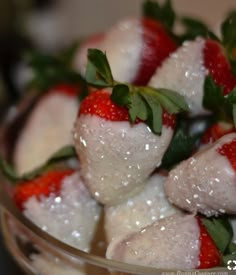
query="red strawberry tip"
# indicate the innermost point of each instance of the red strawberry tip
(209, 254)
(44, 185)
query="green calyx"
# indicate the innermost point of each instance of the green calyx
(161, 13)
(221, 232)
(51, 70)
(10, 173)
(214, 100)
(144, 103)
(228, 33)
(193, 27)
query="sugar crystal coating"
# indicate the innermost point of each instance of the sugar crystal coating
(172, 242)
(138, 211)
(184, 72)
(116, 158)
(205, 182)
(123, 46)
(47, 130)
(71, 217)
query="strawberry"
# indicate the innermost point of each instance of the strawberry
(229, 151)
(114, 162)
(216, 131)
(149, 205)
(209, 254)
(47, 127)
(157, 46)
(65, 89)
(218, 66)
(41, 186)
(134, 47)
(179, 241)
(185, 71)
(206, 181)
(51, 201)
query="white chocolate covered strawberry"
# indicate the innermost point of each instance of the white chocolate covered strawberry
(116, 157)
(138, 211)
(179, 241)
(135, 47)
(185, 71)
(48, 128)
(60, 204)
(206, 181)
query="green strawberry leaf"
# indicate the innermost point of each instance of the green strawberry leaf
(232, 248)
(194, 28)
(228, 31)
(228, 261)
(100, 62)
(234, 114)
(64, 153)
(213, 99)
(67, 55)
(172, 101)
(120, 95)
(231, 97)
(168, 15)
(181, 147)
(213, 95)
(154, 119)
(229, 38)
(220, 231)
(230, 256)
(145, 103)
(49, 71)
(232, 60)
(164, 14)
(138, 107)
(152, 10)
(10, 173)
(230, 105)
(93, 78)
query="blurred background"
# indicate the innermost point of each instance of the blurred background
(50, 25)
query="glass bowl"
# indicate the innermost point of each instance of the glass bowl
(38, 252)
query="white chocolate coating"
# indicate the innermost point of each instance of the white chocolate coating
(116, 158)
(184, 72)
(80, 59)
(206, 182)
(71, 217)
(172, 242)
(123, 45)
(138, 211)
(47, 130)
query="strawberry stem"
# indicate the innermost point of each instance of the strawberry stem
(143, 102)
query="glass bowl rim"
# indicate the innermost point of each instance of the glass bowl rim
(8, 206)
